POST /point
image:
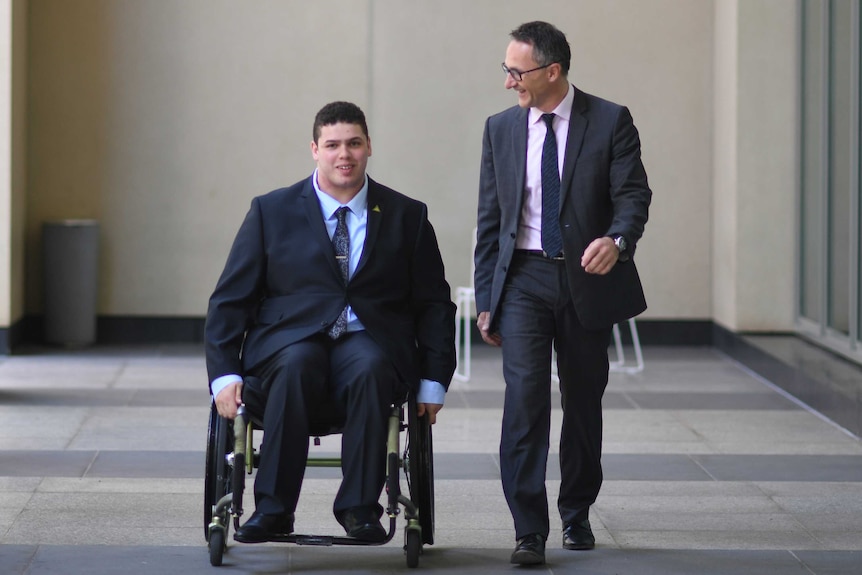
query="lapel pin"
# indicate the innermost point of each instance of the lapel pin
(376, 209)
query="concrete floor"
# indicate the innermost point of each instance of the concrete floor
(709, 469)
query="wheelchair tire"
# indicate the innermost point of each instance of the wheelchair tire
(217, 480)
(217, 546)
(412, 547)
(421, 470)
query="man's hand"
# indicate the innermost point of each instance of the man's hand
(483, 322)
(431, 409)
(600, 256)
(228, 400)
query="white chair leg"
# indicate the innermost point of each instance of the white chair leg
(636, 341)
(463, 303)
(555, 377)
(618, 348)
(620, 364)
(458, 350)
(468, 337)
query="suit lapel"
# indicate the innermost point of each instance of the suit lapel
(577, 128)
(315, 222)
(374, 215)
(519, 154)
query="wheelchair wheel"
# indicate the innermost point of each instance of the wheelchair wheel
(217, 546)
(220, 442)
(421, 470)
(412, 547)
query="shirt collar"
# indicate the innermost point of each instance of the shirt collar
(329, 205)
(563, 109)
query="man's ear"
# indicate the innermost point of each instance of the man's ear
(314, 150)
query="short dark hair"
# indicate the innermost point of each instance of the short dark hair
(549, 44)
(336, 113)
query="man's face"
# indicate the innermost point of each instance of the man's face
(533, 88)
(341, 153)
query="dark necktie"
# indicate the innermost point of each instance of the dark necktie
(341, 244)
(552, 243)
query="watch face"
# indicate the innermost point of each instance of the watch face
(621, 243)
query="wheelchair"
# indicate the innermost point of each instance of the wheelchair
(231, 456)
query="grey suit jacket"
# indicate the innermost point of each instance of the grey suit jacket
(604, 191)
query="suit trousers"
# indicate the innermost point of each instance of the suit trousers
(350, 375)
(537, 312)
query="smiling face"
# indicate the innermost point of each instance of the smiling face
(538, 88)
(341, 152)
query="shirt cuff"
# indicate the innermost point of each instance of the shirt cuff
(430, 392)
(222, 382)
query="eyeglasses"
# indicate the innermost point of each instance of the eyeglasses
(517, 75)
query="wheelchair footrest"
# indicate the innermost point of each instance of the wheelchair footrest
(323, 540)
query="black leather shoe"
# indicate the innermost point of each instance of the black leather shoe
(530, 550)
(578, 536)
(363, 525)
(261, 527)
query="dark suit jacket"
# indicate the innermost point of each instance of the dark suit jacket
(281, 284)
(604, 192)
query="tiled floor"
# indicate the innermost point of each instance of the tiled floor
(709, 469)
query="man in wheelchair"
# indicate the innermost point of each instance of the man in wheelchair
(334, 294)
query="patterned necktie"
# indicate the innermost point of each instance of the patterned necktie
(341, 244)
(552, 242)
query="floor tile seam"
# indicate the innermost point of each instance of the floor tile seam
(702, 467)
(802, 563)
(120, 370)
(88, 415)
(634, 405)
(816, 545)
(91, 463)
(699, 438)
(613, 514)
(745, 369)
(18, 514)
(811, 533)
(595, 511)
(28, 563)
(714, 446)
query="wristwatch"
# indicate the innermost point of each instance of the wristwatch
(622, 246)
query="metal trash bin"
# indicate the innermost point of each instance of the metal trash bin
(70, 256)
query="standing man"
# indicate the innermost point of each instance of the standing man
(563, 200)
(334, 288)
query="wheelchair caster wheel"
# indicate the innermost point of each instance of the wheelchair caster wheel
(217, 546)
(412, 546)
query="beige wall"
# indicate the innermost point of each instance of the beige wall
(163, 119)
(754, 184)
(13, 100)
(725, 135)
(5, 161)
(448, 69)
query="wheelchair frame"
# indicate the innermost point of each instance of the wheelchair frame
(231, 456)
